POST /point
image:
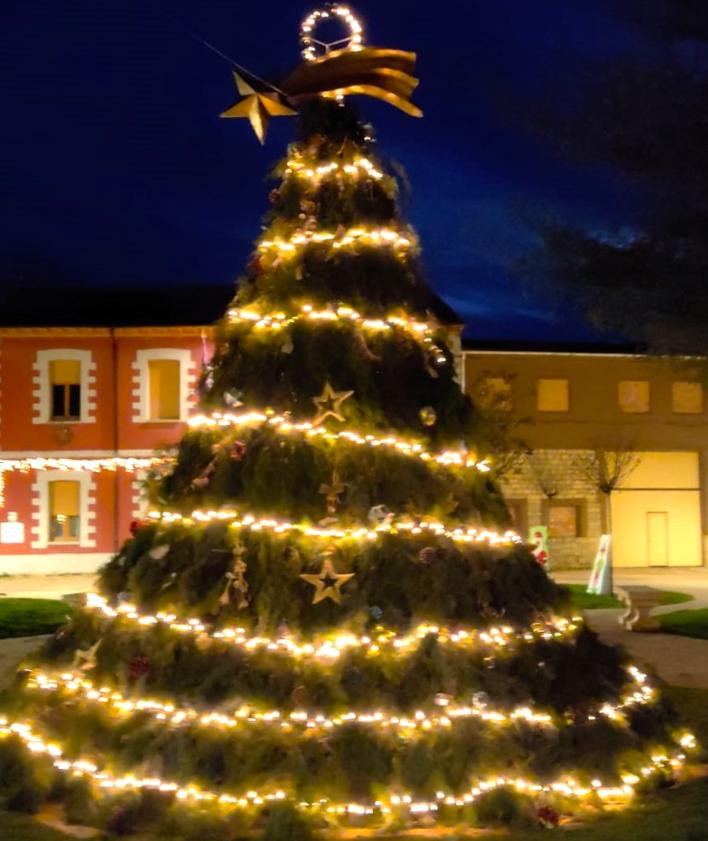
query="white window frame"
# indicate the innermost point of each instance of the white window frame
(42, 392)
(141, 378)
(41, 508)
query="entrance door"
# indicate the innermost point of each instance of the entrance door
(658, 538)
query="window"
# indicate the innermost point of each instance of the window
(164, 389)
(553, 396)
(494, 394)
(65, 383)
(687, 398)
(565, 518)
(64, 507)
(633, 396)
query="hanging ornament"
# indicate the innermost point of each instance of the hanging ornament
(158, 552)
(328, 582)
(124, 597)
(138, 667)
(168, 582)
(376, 613)
(548, 817)
(332, 492)
(136, 525)
(236, 583)
(232, 398)
(259, 105)
(380, 515)
(428, 416)
(274, 195)
(237, 450)
(427, 555)
(287, 347)
(441, 699)
(329, 404)
(84, 661)
(480, 699)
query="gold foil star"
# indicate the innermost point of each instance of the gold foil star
(258, 106)
(328, 582)
(329, 404)
(86, 660)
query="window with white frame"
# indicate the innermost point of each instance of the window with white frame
(162, 377)
(64, 386)
(62, 509)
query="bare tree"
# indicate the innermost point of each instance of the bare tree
(544, 467)
(498, 428)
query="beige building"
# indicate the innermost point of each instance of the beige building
(596, 422)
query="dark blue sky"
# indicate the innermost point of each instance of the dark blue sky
(115, 169)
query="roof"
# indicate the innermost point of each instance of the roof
(570, 348)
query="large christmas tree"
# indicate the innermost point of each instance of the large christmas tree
(325, 622)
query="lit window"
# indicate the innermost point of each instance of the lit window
(65, 381)
(164, 389)
(633, 396)
(495, 394)
(563, 519)
(687, 398)
(553, 396)
(64, 520)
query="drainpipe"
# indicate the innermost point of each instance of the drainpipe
(116, 442)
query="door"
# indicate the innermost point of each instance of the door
(658, 538)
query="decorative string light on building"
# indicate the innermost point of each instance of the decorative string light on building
(658, 763)
(90, 465)
(171, 713)
(331, 647)
(285, 426)
(336, 239)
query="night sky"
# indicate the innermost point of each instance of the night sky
(117, 171)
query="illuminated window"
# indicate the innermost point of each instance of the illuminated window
(64, 507)
(633, 396)
(687, 398)
(65, 384)
(564, 519)
(164, 389)
(494, 393)
(553, 396)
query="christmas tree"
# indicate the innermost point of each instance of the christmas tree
(326, 623)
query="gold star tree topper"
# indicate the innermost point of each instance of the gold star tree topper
(329, 404)
(328, 582)
(258, 106)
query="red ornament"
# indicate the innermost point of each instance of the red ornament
(237, 450)
(548, 817)
(135, 526)
(138, 667)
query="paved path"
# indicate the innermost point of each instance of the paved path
(45, 586)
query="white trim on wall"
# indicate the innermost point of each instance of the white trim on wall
(141, 382)
(40, 507)
(48, 563)
(138, 496)
(41, 393)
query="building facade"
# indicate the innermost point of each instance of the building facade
(618, 443)
(82, 411)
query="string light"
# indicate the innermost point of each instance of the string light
(91, 465)
(171, 713)
(314, 173)
(329, 648)
(337, 239)
(309, 43)
(237, 520)
(566, 786)
(284, 426)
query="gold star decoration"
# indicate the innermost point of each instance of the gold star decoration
(328, 582)
(86, 660)
(329, 404)
(258, 106)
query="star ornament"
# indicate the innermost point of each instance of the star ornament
(258, 106)
(328, 582)
(86, 660)
(329, 404)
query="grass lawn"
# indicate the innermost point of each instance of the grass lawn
(587, 601)
(29, 617)
(689, 623)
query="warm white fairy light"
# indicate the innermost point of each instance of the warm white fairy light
(315, 173)
(238, 520)
(171, 713)
(283, 425)
(309, 43)
(394, 801)
(330, 647)
(336, 239)
(91, 465)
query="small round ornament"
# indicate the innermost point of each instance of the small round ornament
(480, 699)
(237, 450)
(442, 700)
(428, 416)
(427, 555)
(376, 613)
(379, 514)
(138, 667)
